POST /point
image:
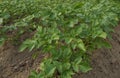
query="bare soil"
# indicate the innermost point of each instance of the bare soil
(105, 62)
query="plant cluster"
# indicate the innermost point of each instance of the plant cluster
(67, 31)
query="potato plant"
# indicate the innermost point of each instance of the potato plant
(67, 31)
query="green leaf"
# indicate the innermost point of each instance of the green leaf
(59, 66)
(6, 15)
(39, 29)
(42, 66)
(76, 63)
(50, 70)
(23, 47)
(33, 74)
(81, 45)
(32, 47)
(66, 65)
(85, 68)
(73, 22)
(107, 45)
(68, 40)
(76, 68)
(103, 35)
(1, 21)
(40, 75)
(78, 60)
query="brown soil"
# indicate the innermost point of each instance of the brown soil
(105, 62)
(14, 64)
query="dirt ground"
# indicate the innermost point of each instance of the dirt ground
(105, 62)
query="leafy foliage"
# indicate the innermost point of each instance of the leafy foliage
(65, 30)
